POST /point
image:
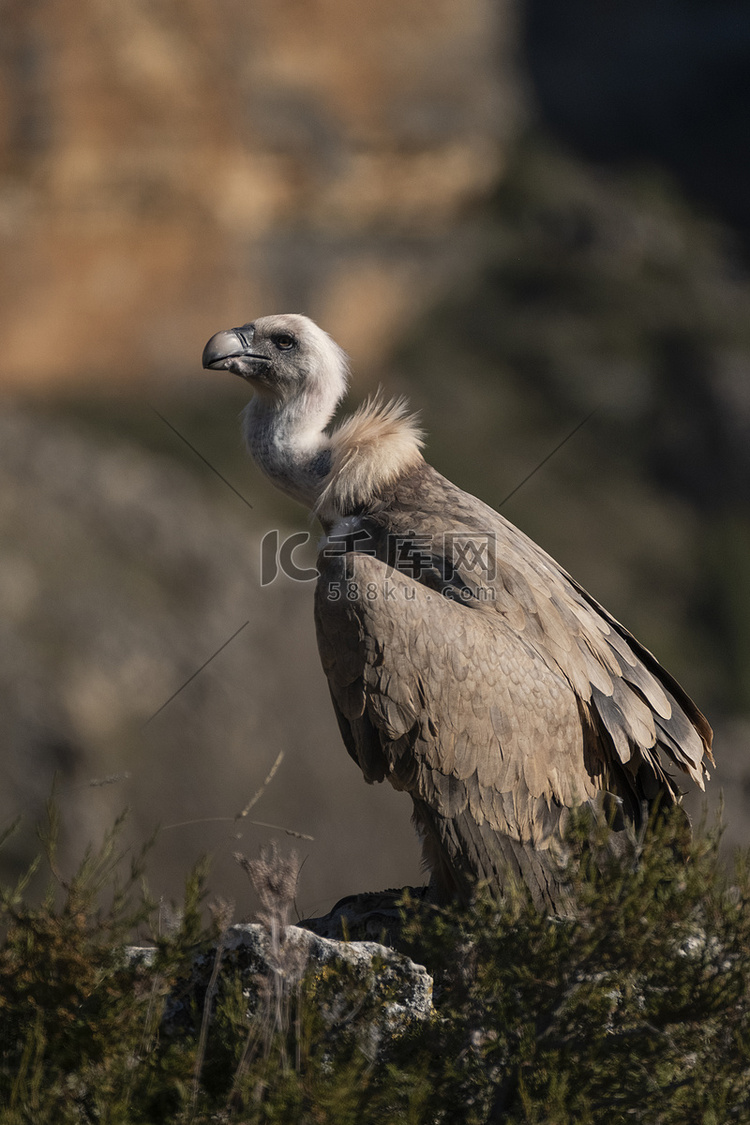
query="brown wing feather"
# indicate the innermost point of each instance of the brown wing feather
(498, 713)
(639, 705)
(486, 783)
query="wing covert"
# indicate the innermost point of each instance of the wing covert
(498, 747)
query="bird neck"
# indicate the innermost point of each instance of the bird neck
(289, 444)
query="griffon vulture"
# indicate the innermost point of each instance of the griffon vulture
(465, 665)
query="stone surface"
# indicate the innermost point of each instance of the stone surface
(400, 990)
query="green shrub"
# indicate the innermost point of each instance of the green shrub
(633, 1007)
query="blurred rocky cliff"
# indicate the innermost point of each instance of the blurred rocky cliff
(168, 167)
(399, 172)
(121, 576)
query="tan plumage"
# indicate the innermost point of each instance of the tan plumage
(482, 680)
(369, 450)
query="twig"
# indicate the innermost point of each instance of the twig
(197, 672)
(544, 460)
(257, 795)
(198, 453)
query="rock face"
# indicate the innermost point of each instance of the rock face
(397, 990)
(166, 168)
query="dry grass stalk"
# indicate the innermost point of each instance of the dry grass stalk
(222, 913)
(274, 877)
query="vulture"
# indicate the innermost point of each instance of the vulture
(465, 665)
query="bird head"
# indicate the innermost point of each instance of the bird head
(282, 357)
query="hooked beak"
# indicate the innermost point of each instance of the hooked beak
(230, 350)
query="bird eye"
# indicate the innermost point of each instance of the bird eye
(284, 343)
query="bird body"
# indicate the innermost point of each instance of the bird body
(465, 665)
